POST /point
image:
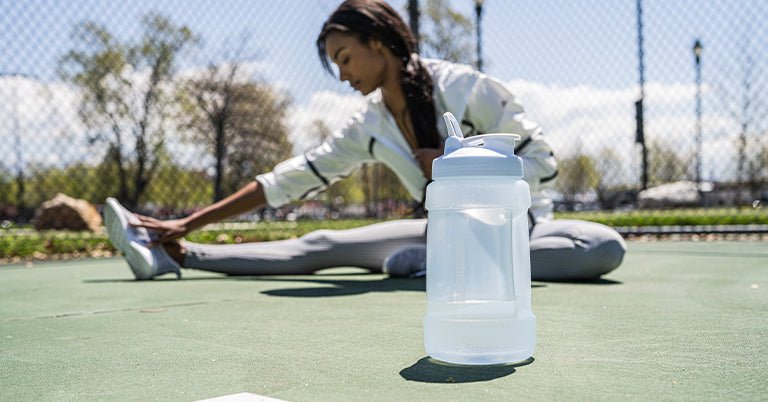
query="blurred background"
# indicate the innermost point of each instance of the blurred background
(650, 105)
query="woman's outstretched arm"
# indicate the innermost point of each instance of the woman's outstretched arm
(249, 197)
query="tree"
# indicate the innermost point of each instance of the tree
(241, 122)
(609, 170)
(745, 102)
(7, 187)
(577, 175)
(448, 34)
(758, 170)
(668, 166)
(127, 94)
(190, 188)
(380, 184)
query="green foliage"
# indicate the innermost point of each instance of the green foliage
(241, 123)
(172, 185)
(448, 34)
(125, 94)
(7, 187)
(667, 165)
(91, 183)
(385, 185)
(41, 244)
(350, 189)
(27, 243)
(576, 174)
(178, 188)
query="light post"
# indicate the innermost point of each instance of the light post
(697, 49)
(639, 107)
(478, 17)
(413, 15)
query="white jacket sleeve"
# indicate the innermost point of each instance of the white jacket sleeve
(304, 176)
(492, 108)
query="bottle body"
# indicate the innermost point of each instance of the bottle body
(478, 271)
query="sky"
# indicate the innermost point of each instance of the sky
(573, 64)
(543, 41)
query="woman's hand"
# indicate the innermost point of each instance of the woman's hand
(248, 197)
(425, 156)
(167, 231)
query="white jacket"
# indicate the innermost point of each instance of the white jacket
(482, 104)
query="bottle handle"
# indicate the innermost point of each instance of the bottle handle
(454, 129)
(455, 136)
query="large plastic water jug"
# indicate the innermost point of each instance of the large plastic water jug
(478, 257)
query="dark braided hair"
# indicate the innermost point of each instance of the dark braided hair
(375, 19)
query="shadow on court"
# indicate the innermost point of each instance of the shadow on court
(342, 287)
(434, 371)
(350, 287)
(596, 281)
(333, 285)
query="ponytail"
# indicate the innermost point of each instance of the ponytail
(417, 86)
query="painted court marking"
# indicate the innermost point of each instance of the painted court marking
(242, 397)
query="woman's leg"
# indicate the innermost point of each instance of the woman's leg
(560, 250)
(574, 250)
(364, 247)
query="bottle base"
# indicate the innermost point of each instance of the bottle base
(480, 341)
(513, 358)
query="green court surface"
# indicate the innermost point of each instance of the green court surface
(677, 321)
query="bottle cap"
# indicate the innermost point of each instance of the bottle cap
(480, 155)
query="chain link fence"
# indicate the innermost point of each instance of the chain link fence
(130, 99)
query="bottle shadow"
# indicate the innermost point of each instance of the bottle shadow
(430, 370)
(595, 281)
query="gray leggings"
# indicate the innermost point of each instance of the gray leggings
(560, 250)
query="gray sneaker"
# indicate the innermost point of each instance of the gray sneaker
(408, 262)
(145, 262)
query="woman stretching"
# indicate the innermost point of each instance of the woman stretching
(376, 54)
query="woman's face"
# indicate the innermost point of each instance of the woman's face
(363, 65)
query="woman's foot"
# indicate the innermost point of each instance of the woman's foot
(408, 262)
(145, 262)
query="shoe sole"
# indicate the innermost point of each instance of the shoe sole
(116, 223)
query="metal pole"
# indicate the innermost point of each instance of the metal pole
(478, 19)
(413, 16)
(697, 48)
(21, 208)
(639, 108)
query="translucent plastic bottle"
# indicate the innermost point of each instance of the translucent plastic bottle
(478, 258)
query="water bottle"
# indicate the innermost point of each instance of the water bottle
(478, 257)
